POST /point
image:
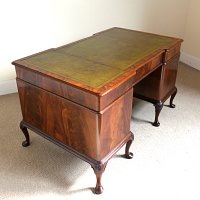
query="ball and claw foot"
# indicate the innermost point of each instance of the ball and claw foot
(156, 124)
(98, 190)
(25, 143)
(128, 154)
(172, 105)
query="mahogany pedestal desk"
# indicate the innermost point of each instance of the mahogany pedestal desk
(79, 96)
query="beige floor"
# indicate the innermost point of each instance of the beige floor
(166, 163)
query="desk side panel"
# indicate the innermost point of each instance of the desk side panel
(115, 123)
(60, 119)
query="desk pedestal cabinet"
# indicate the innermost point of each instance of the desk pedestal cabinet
(92, 136)
(158, 86)
(79, 96)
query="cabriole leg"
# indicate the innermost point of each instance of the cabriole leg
(129, 154)
(98, 170)
(158, 108)
(26, 134)
(171, 105)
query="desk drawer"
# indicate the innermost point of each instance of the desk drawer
(175, 50)
(57, 87)
(72, 93)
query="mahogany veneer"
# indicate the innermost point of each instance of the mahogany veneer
(79, 96)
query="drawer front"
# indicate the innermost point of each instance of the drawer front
(57, 87)
(173, 51)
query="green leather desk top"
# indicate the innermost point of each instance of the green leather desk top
(97, 60)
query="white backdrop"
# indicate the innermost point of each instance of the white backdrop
(31, 26)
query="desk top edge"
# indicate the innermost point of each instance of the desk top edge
(108, 86)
